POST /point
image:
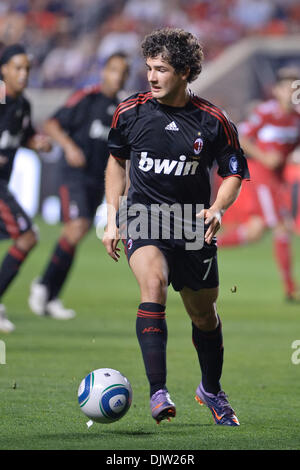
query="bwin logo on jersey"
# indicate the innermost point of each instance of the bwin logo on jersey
(166, 166)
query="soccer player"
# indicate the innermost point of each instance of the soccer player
(269, 135)
(172, 139)
(81, 128)
(16, 131)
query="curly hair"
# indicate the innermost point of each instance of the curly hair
(179, 48)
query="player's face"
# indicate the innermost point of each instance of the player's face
(166, 85)
(283, 91)
(16, 73)
(114, 75)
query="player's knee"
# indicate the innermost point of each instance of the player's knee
(156, 285)
(205, 318)
(256, 230)
(27, 241)
(76, 230)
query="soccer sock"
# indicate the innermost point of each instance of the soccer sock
(282, 251)
(58, 267)
(209, 347)
(234, 237)
(10, 267)
(151, 330)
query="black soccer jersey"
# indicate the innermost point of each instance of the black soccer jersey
(15, 130)
(173, 149)
(87, 117)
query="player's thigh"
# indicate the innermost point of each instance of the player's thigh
(271, 204)
(76, 201)
(150, 268)
(14, 222)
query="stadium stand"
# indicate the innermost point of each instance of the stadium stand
(68, 40)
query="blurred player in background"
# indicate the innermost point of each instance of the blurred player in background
(81, 128)
(268, 137)
(16, 131)
(172, 139)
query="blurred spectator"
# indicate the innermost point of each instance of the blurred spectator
(252, 14)
(69, 40)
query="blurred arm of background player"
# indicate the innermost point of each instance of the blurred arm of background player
(272, 159)
(227, 194)
(115, 184)
(73, 154)
(39, 143)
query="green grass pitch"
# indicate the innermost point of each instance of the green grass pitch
(46, 359)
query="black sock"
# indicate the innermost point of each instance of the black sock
(209, 346)
(58, 267)
(10, 267)
(151, 330)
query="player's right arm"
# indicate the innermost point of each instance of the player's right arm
(73, 153)
(115, 183)
(249, 130)
(272, 159)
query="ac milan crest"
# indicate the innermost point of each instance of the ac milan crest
(198, 145)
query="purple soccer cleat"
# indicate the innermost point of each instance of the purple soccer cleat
(219, 406)
(161, 406)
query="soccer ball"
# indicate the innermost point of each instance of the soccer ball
(105, 395)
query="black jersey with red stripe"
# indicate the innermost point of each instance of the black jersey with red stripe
(172, 149)
(15, 130)
(87, 117)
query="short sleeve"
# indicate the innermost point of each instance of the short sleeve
(229, 154)
(73, 113)
(65, 116)
(251, 126)
(118, 144)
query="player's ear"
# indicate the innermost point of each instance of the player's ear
(3, 70)
(186, 73)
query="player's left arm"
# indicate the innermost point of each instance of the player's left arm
(30, 138)
(226, 195)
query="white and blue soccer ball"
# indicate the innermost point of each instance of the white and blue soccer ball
(105, 395)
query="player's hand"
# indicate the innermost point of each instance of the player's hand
(3, 160)
(212, 219)
(110, 240)
(273, 159)
(74, 155)
(41, 143)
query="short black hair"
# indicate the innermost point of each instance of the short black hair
(179, 48)
(10, 51)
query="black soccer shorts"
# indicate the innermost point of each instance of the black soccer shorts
(13, 219)
(79, 199)
(196, 269)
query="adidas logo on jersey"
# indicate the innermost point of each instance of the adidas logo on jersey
(172, 127)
